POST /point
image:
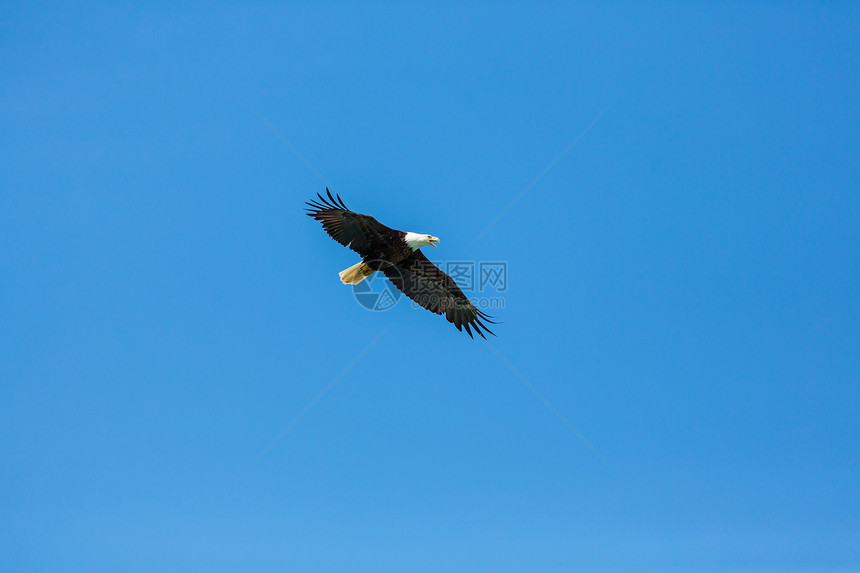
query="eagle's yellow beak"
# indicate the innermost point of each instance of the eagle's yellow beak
(434, 240)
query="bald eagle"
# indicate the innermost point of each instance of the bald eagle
(396, 254)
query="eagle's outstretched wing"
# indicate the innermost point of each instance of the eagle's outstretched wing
(433, 289)
(361, 233)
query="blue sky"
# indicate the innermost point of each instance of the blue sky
(682, 287)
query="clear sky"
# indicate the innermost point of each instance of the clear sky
(682, 287)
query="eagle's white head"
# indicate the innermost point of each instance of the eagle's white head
(417, 240)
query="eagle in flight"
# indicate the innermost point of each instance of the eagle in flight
(397, 255)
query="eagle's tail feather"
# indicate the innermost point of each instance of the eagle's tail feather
(355, 274)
